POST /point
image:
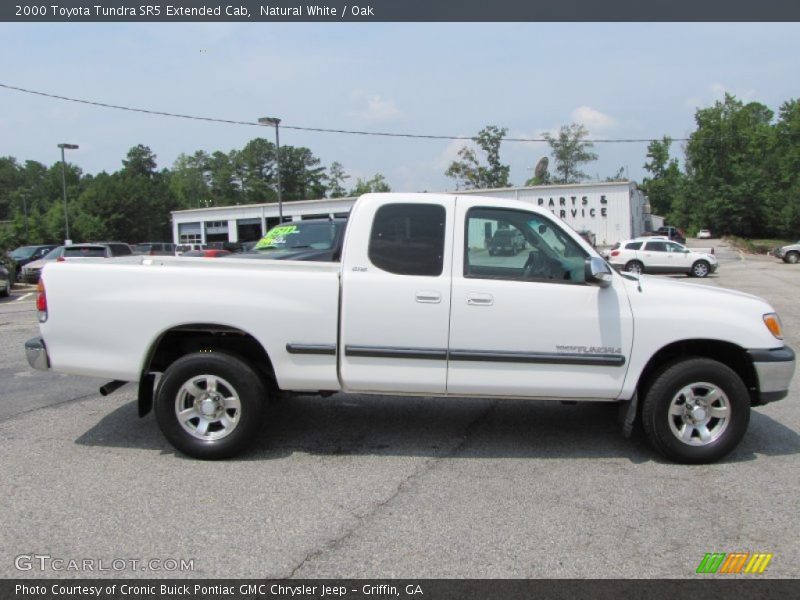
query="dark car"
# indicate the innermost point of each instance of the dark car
(5, 280)
(154, 248)
(672, 233)
(506, 241)
(314, 239)
(96, 250)
(25, 254)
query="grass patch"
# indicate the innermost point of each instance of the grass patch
(756, 246)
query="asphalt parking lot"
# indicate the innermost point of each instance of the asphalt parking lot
(391, 486)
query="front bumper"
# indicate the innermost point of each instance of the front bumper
(36, 353)
(774, 369)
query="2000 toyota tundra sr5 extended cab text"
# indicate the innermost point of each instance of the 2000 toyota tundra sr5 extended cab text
(418, 305)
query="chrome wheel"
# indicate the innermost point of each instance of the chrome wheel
(208, 407)
(699, 414)
(792, 258)
(700, 269)
(634, 267)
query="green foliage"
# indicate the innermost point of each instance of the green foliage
(666, 185)
(374, 185)
(570, 150)
(336, 178)
(469, 173)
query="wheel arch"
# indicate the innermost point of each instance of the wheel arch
(181, 340)
(727, 353)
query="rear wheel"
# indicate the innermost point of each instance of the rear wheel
(634, 266)
(696, 411)
(792, 258)
(701, 269)
(210, 405)
(6, 291)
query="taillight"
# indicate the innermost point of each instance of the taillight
(60, 259)
(41, 302)
(615, 253)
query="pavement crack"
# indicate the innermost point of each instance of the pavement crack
(426, 467)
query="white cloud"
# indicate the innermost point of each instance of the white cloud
(593, 119)
(717, 91)
(377, 109)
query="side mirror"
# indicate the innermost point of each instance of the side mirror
(597, 271)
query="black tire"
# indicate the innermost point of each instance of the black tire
(6, 291)
(634, 266)
(792, 258)
(678, 436)
(235, 380)
(700, 269)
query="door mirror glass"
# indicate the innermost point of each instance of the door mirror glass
(597, 271)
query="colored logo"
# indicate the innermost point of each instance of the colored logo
(734, 562)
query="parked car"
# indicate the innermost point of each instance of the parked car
(790, 254)
(208, 253)
(656, 255)
(313, 239)
(25, 254)
(5, 280)
(181, 248)
(507, 241)
(670, 233)
(410, 310)
(96, 250)
(704, 234)
(31, 271)
(154, 248)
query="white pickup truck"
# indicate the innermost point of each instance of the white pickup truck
(417, 305)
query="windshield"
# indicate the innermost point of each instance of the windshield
(319, 235)
(54, 253)
(23, 252)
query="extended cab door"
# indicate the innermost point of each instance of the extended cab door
(529, 325)
(396, 294)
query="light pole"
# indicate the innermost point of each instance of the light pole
(274, 121)
(64, 186)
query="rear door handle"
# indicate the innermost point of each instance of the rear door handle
(427, 297)
(480, 299)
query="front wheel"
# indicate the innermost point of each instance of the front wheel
(792, 258)
(210, 405)
(696, 411)
(701, 269)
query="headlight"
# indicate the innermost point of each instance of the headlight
(773, 323)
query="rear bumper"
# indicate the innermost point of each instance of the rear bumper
(36, 353)
(774, 369)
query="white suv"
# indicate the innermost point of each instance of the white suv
(659, 255)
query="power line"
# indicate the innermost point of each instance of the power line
(314, 129)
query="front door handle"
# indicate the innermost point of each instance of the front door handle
(428, 297)
(480, 299)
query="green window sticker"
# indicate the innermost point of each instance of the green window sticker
(276, 236)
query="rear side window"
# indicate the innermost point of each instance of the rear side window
(120, 249)
(85, 252)
(408, 239)
(633, 246)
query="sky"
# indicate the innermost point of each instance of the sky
(637, 80)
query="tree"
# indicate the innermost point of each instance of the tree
(469, 173)
(336, 178)
(732, 168)
(665, 184)
(374, 185)
(618, 176)
(188, 181)
(570, 151)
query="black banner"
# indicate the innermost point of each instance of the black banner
(387, 589)
(398, 10)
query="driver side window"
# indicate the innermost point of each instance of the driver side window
(519, 245)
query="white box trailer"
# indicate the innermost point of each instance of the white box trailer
(612, 211)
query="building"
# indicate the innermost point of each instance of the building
(612, 211)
